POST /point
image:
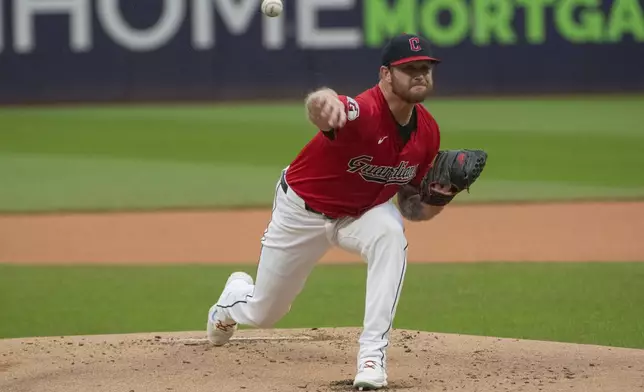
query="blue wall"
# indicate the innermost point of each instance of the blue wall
(111, 50)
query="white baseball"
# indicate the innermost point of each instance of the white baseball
(272, 8)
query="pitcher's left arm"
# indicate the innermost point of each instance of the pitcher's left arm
(412, 208)
(451, 172)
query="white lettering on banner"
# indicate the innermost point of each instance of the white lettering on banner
(236, 15)
(310, 36)
(152, 38)
(24, 12)
(203, 29)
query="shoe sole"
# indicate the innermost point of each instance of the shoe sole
(368, 386)
(217, 338)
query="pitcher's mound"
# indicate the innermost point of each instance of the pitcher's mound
(312, 359)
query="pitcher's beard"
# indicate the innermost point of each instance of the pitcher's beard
(409, 96)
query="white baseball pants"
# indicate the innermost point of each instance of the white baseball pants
(296, 239)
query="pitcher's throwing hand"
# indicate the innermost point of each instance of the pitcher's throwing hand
(326, 110)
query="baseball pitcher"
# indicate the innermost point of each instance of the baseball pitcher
(339, 191)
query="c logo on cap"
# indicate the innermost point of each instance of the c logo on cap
(414, 44)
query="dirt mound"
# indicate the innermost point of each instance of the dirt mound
(314, 360)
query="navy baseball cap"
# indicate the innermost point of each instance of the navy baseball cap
(406, 48)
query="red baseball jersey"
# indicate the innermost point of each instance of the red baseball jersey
(364, 163)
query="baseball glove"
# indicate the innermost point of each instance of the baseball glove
(457, 169)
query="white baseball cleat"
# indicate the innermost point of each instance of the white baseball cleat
(371, 376)
(220, 327)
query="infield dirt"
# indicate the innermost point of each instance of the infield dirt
(312, 360)
(540, 232)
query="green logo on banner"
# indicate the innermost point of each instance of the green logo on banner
(494, 22)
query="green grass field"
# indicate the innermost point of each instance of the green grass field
(220, 156)
(585, 303)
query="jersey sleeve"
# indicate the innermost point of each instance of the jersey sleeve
(357, 114)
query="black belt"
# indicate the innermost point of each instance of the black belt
(306, 206)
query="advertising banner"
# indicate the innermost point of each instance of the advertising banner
(112, 50)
